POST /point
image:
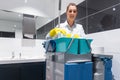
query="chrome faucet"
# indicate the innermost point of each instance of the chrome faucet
(20, 55)
(13, 55)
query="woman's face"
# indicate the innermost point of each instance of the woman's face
(71, 13)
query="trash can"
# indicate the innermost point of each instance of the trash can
(102, 65)
(78, 71)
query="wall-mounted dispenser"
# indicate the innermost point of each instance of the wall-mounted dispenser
(29, 29)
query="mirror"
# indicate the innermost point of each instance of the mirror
(10, 23)
(17, 25)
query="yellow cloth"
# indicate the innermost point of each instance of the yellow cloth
(55, 31)
(76, 36)
(69, 35)
(72, 36)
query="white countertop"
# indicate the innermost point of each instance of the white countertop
(11, 61)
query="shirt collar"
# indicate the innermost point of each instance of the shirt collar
(74, 25)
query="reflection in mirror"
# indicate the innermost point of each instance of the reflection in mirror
(14, 25)
(10, 24)
(103, 21)
(103, 18)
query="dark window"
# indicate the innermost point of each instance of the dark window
(7, 34)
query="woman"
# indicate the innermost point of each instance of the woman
(69, 28)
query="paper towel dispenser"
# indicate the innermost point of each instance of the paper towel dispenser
(29, 29)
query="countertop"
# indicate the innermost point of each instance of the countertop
(12, 61)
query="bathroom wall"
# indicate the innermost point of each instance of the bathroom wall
(14, 45)
(109, 41)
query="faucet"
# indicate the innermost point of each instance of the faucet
(13, 55)
(20, 55)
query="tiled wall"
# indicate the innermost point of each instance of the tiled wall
(94, 15)
(30, 49)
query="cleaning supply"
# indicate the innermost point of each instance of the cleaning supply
(76, 36)
(68, 35)
(60, 32)
(57, 31)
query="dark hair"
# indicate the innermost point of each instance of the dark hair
(71, 4)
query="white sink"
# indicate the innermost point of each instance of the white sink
(5, 58)
(8, 60)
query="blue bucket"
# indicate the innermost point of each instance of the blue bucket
(73, 45)
(84, 46)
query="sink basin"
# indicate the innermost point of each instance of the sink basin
(7, 60)
(22, 58)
